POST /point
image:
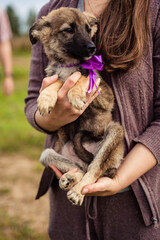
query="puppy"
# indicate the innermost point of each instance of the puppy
(66, 35)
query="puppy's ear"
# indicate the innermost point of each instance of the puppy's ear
(36, 31)
(93, 22)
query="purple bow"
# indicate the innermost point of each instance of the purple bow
(94, 63)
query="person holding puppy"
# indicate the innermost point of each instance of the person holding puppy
(127, 206)
(6, 53)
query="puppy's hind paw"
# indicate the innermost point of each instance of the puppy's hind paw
(67, 181)
(75, 197)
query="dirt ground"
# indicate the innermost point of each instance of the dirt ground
(19, 179)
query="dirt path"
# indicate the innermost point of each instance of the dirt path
(19, 178)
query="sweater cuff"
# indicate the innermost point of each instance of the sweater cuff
(33, 122)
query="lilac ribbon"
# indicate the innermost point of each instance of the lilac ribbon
(94, 63)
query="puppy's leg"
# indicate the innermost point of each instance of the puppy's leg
(113, 162)
(49, 156)
(48, 97)
(107, 157)
(62, 139)
(77, 94)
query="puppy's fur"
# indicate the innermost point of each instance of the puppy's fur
(66, 35)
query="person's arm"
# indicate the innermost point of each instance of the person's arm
(6, 53)
(6, 57)
(137, 162)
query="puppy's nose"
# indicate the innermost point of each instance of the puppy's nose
(91, 47)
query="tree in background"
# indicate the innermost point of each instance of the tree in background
(31, 18)
(14, 20)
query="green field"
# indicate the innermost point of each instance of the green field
(18, 138)
(12, 229)
(16, 133)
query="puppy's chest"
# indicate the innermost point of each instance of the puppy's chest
(65, 71)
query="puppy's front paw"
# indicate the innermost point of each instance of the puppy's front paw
(75, 197)
(77, 101)
(67, 181)
(46, 102)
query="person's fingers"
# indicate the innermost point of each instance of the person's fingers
(95, 88)
(90, 99)
(48, 81)
(59, 173)
(68, 84)
(93, 96)
(101, 186)
(56, 171)
(73, 170)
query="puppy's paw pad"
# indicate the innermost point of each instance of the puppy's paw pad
(67, 181)
(75, 197)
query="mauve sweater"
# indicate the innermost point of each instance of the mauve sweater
(137, 108)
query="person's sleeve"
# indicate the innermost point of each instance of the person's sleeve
(151, 137)
(35, 78)
(5, 28)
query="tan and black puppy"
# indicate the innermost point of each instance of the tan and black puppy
(66, 35)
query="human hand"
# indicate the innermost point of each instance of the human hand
(8, 85)
(103, 187)
(63, 112)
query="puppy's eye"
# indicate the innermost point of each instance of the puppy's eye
(88, 29)
(68, 30)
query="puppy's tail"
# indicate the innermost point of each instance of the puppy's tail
(79, 149)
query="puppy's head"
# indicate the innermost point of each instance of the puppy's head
(66, 35)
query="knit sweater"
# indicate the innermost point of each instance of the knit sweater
(137, 108)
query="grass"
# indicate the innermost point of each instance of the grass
(11, 228)
(4, 191)
(18, 137)
(16, 133)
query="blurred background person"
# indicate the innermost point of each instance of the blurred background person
(6, 53)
